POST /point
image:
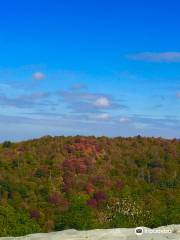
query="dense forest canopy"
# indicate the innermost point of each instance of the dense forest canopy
(56, 183)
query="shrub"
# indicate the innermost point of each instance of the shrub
(7, 144)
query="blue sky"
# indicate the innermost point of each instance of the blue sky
(89, 67)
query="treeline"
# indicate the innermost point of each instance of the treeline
(56, 183)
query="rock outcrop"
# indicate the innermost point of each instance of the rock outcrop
(161, 233)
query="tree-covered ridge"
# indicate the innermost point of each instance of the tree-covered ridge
(55, 183)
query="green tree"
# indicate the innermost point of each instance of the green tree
(79, 216)
(16, 222)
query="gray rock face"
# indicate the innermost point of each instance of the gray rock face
(161, 233)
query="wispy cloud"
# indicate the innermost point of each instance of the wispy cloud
(81, 102)
(103, 116)
(20, 127)
(178, 94)
(124, 120)
(26, 100)
(78, 86)
(155, 56)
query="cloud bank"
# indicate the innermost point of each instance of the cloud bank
(155, 56)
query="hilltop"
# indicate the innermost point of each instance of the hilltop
(57, 183)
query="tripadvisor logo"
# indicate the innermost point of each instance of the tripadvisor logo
(139, 231)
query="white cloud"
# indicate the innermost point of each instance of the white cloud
(124, 120)
(156, 56)
(102, 102)
(103, 116)
(38, 76)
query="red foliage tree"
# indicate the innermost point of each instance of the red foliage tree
(92, 203)
(34, 214)
(100, 196)
(119, 185)
(89, 188)
(54, 198)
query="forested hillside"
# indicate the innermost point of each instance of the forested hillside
(57, 183)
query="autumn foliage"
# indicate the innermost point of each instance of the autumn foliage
(55, 183)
